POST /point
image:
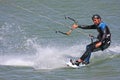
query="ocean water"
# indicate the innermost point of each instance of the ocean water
(30, 48)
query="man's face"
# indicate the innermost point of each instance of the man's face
(96, 21)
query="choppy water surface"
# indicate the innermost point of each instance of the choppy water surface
(30, 48)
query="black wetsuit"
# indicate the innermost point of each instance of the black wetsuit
(104, 36)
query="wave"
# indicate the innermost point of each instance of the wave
(52, 57)
(20, 50)
(16, 61)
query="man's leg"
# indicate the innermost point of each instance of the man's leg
(87, 60)
(86, 56)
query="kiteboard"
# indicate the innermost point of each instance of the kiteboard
(71, 65)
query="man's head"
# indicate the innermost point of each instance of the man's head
(96, 19)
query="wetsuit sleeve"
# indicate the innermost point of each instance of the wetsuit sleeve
(104, 30)
(87, 26)
(104, 34)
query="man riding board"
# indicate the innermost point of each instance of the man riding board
(103, 39)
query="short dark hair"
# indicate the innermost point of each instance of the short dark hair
(96, 16)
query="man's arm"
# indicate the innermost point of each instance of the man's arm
(104, 35)
(87, 26)
(74, 26)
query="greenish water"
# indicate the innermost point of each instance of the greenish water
(30, 48)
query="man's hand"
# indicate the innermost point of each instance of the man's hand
(74, 26)
(98, 44)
